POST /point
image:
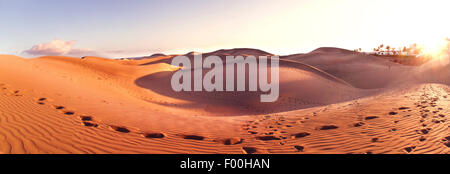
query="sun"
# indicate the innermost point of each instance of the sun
(434, 47)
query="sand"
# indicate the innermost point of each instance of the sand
(331, 101)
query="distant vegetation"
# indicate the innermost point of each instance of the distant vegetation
(402, 55)
(386, 50)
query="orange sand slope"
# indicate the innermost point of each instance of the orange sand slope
(331, 101)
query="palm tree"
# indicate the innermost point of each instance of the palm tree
(380, 48)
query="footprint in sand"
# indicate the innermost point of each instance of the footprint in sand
(120, 129)
(16, 93)
(446, 141)
(409, 149)
(358, 124)
(86, 118)
(41, 101)
(89, 124)
(425, 131)
(230, 141)
(59, 107)
(422, 139)
(268, 138)
(300, 135)
(69, 112)
(403, 108)
(371, 117)
(393, 113)
(153, 135)
(299, 148)
(328, 127)
(249, 150)
(192, 137)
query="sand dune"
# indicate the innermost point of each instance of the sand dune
(435, 71)
(317, 88)
(331, 101)
(360, 70)
(240, 52)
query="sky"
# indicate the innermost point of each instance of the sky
(132, 28)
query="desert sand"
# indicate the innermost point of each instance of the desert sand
(331, 101)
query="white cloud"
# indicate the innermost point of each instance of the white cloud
(53, 48)
(66, 48)
(59, 48)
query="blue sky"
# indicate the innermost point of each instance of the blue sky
(118, 28)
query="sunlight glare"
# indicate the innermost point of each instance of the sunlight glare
(435, 48)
